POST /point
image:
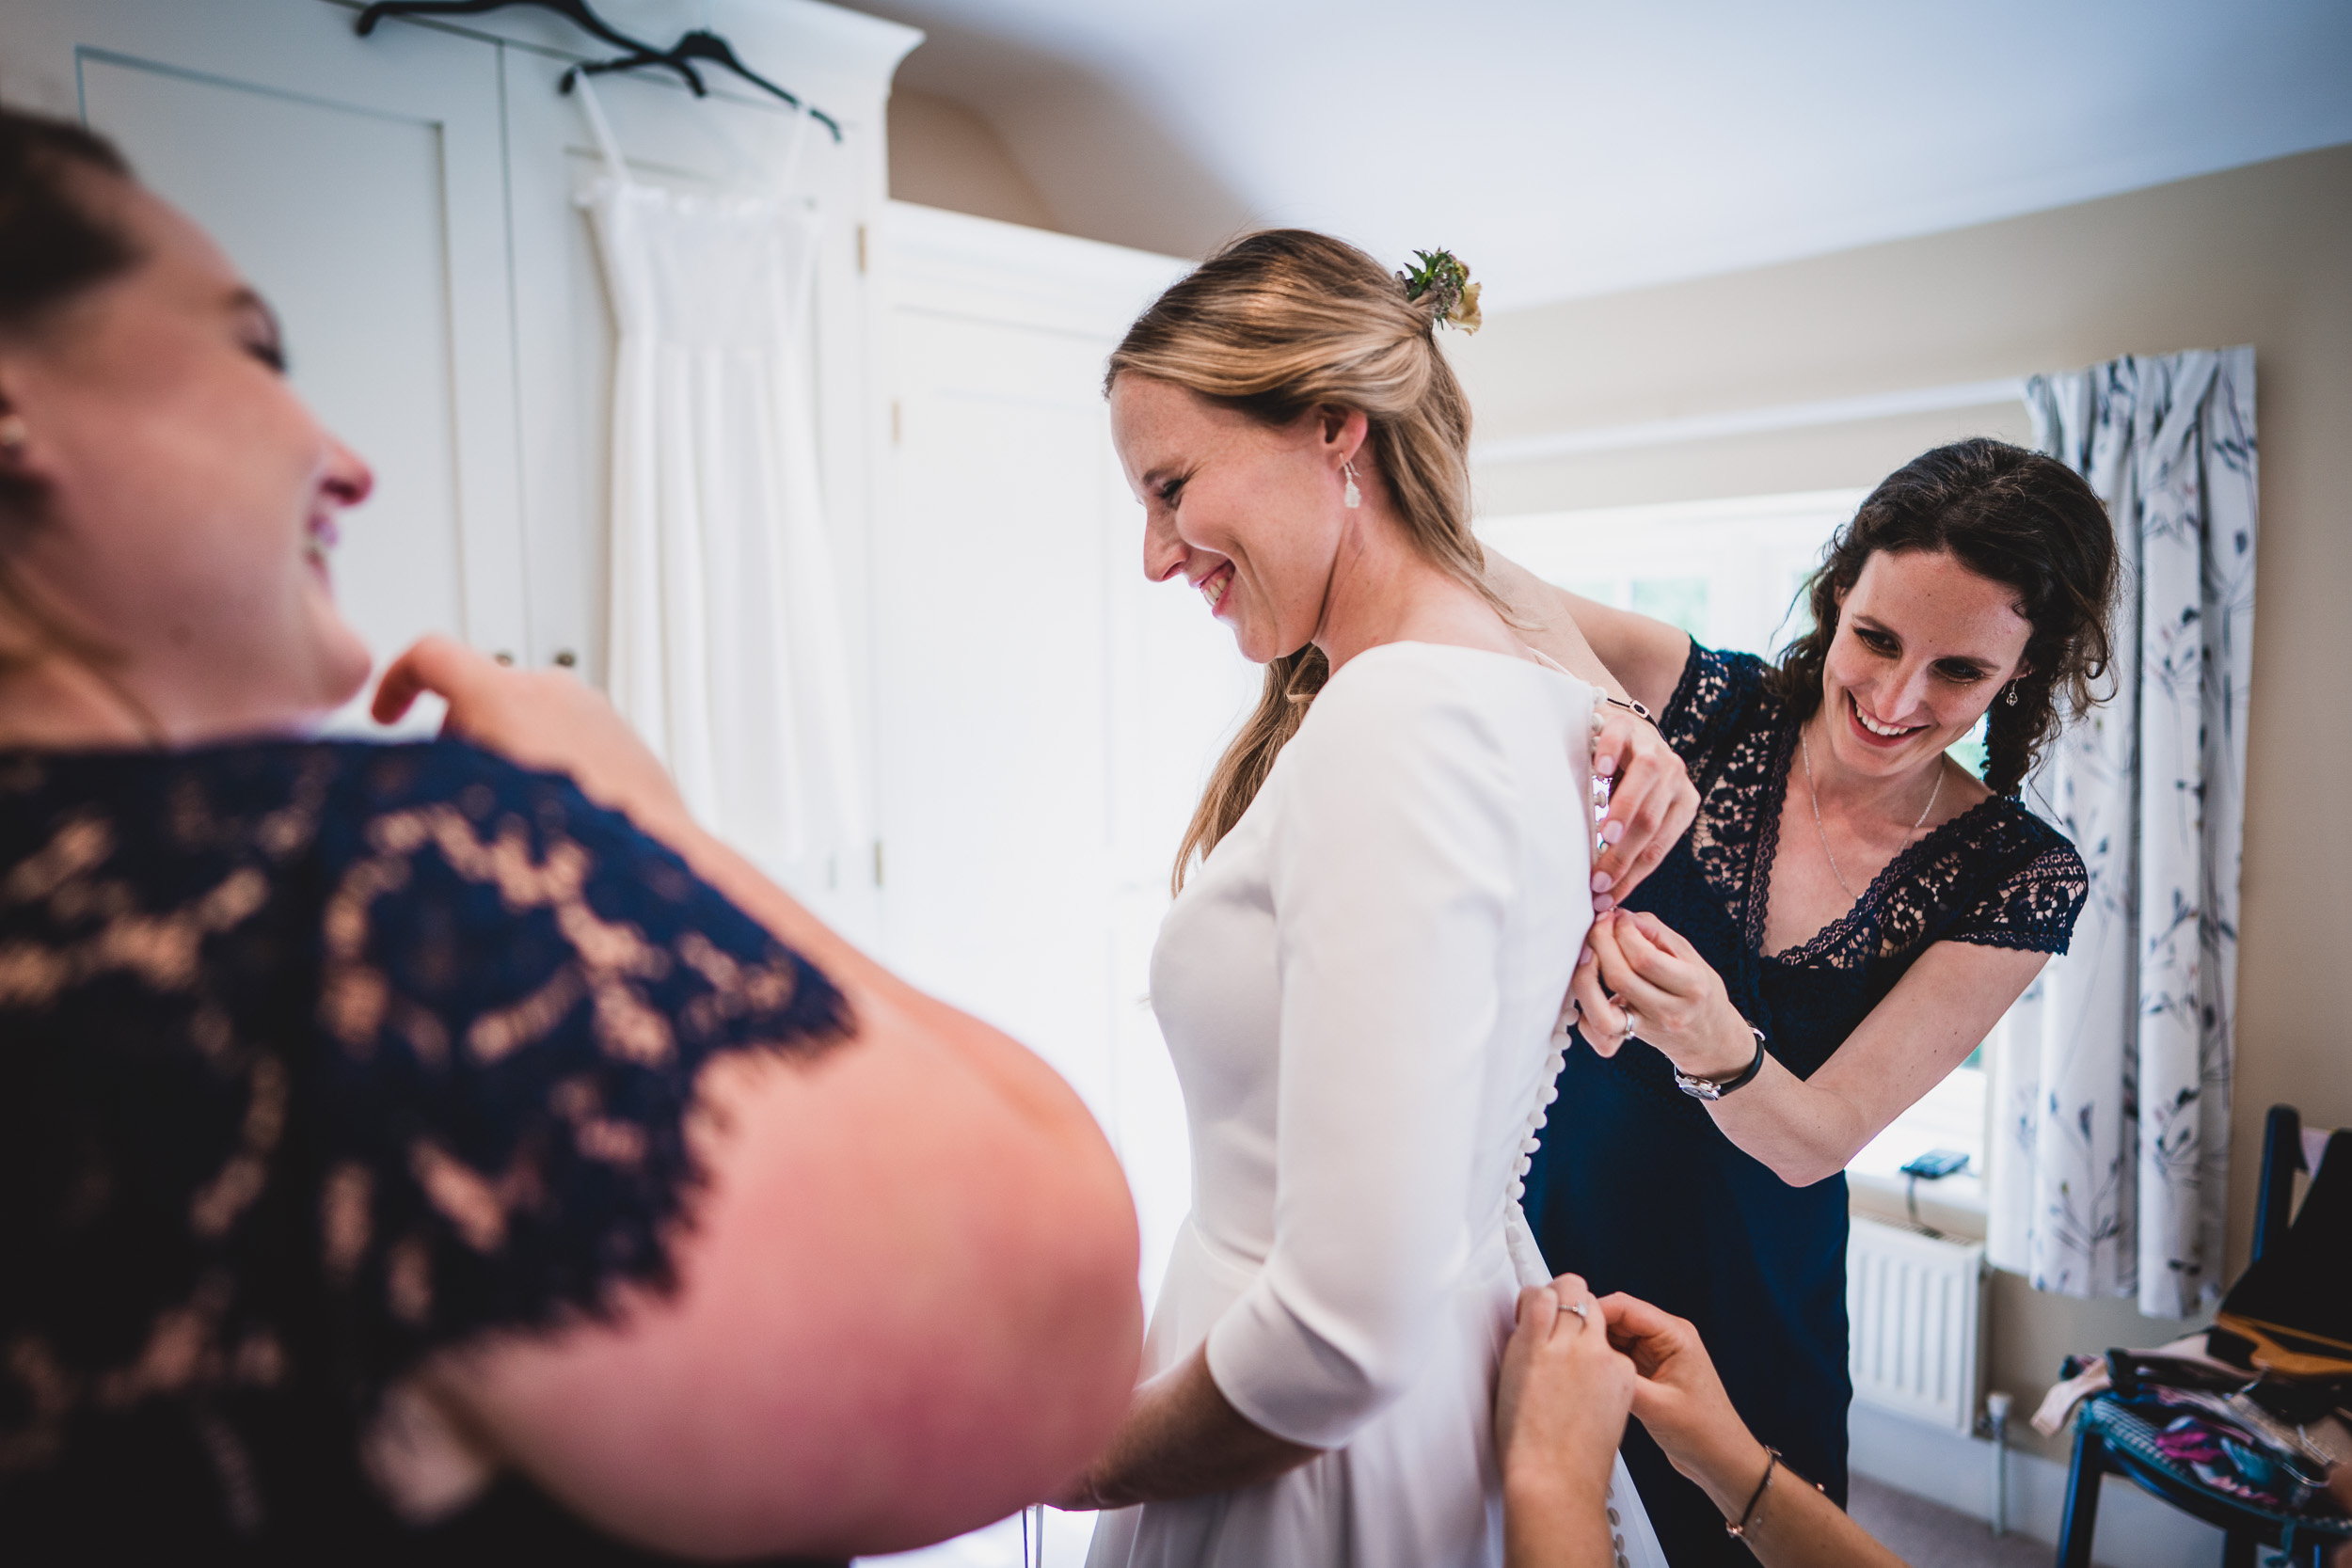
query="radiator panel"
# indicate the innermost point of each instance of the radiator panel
(1915, 1308)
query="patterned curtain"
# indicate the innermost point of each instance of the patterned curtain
(2113, 1072)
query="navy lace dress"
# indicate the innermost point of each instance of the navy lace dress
(1636, 1189)
(319, 1057)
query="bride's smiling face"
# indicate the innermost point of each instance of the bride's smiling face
(1250, 514)
(1924, 647)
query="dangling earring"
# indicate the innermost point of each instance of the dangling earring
(1353, 497)
(2012, 698)
(14, 432)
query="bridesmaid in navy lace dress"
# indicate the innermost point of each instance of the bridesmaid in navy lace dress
(1847, 919)
(408, 1152)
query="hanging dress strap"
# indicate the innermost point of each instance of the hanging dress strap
(800, 121)
(602, 128)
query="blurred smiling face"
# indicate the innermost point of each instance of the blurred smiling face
(186, 499)
(1924, 647)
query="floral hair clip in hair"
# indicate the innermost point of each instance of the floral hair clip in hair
(1442, 274)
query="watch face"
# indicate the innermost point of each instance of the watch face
(1698, 1088)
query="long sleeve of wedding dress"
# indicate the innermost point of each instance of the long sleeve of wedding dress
(1357, 989)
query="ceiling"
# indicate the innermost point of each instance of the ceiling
(1571, 148)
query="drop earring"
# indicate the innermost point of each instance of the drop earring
(1352, 495)
(2012, 698)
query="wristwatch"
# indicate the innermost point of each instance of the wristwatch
(1715, 1088)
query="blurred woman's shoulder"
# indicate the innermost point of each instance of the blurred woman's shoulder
(322, 1056)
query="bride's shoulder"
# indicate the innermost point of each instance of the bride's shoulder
(1410, 695)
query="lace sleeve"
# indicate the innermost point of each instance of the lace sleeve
(2033, 907)
(516, 989)
(1715, 688)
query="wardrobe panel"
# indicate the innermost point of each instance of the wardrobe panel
(993, 715)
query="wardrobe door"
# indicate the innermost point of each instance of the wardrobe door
(358, 184)
(1044, 716)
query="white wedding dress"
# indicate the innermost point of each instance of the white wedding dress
(1359, 988)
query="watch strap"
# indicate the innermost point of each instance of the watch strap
(1715, 1088)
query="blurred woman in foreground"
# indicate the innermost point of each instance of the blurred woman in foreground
(442, 1151)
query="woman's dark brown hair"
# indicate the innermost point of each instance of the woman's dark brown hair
(2016, 517)
(52, 244)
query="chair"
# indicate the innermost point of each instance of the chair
(2110, 1438)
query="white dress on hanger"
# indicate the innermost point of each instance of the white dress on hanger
(1359, 988)
(723, 645)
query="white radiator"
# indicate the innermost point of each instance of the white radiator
(1915, 1307)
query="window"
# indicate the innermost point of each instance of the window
(1731, 573)
(1727, 572)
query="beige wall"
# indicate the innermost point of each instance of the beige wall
(942, 154)
(2260, 255)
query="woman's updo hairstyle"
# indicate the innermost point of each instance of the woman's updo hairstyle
(1275, 325)
(2014, 518)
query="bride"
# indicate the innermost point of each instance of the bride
(1359, 981)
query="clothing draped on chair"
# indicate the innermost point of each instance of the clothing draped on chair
(725, 646)
(2114, 1070)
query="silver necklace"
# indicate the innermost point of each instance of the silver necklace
(1822, 833)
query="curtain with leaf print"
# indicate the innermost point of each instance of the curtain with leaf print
(2113, 1072)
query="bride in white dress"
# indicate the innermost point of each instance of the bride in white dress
(1359, 984)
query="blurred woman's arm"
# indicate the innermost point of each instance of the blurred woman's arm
(906, 1304)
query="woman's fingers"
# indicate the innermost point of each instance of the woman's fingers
(1653, 961)
(1626, 983)
(1597, 1017)
(1651, 805)
(1663, 935)
(1575, 1307)
(434, 663)
(1632, 1321)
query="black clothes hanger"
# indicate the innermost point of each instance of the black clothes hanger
(700, 45)
(573, 11)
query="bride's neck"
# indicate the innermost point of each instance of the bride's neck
(1383, 590)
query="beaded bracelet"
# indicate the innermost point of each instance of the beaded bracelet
(1747, 1517)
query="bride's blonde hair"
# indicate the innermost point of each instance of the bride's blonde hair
(1273, 326)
